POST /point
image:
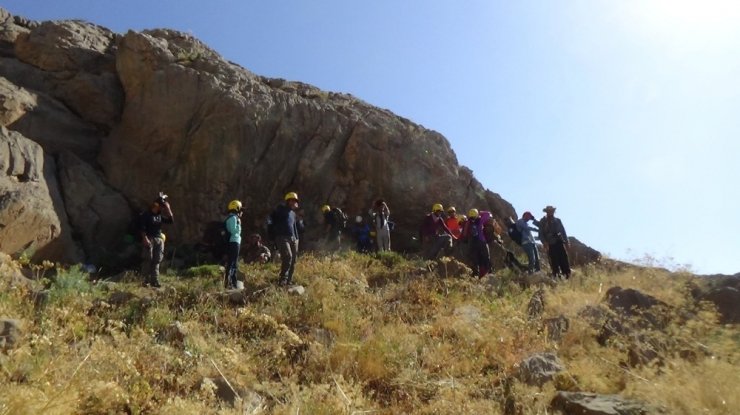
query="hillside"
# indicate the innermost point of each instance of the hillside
(382, 335)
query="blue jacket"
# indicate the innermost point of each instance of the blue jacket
(284, 222)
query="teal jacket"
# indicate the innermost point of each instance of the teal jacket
(234, 227)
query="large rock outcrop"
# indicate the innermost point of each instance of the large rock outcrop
(207, 131)
(32, 216)
(125, 116)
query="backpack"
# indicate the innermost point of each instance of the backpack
(340, 219)
(514, 233)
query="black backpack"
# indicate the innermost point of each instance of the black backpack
(340, 219)
(514, 233)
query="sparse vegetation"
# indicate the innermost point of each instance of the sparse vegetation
(373, 334)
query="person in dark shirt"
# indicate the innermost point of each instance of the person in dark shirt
(256, 251)
(333, 227)
(152, 238)
(361, 232)
(555, 241)
(285, 227)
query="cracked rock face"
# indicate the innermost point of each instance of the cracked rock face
(120, 117)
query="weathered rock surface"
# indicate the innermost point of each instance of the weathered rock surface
(538, 369)
(10, 333)
(629, 301)
(215, 130)
(581, 403)
(99, 214)
(32, 215)
(581, 254)
(556, 327)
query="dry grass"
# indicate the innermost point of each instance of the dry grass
(371, 335)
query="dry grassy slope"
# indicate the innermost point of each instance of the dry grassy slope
(369, 336)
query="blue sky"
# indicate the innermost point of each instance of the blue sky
(623, 114)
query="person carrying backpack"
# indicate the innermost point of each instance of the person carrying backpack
(475, 236)
(381, 221)
(334, 221)
(152, 238)
(555, 240)
(434, 234)
(233, 225)
(527, 241)
(285, 227)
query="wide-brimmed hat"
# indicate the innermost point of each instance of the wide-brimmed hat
(549, 208)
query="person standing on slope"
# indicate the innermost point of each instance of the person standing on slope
(233, 224)
(381, 221)
(152, 238)
(528, 241)
(474, 234)
(434, 234)
(285, 224)
(555, 240)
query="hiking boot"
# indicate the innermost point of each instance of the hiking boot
(156, 284)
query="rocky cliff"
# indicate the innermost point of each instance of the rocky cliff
(116, 118)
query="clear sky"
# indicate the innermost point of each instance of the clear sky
(623, 114)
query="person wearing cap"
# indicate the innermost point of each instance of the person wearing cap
(555, 240)
(285, 227)
(255, 251)
(234, 228)
(381, 222)
(434, 234)
(528, 241)
(152, 238)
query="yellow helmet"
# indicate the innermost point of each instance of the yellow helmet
(325, 208)
(473, 213)
(437, 207)
(235, 205)
(163, 237)
(291, 195)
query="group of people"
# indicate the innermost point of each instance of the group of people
(470, 236)
(372, 235)
(442, 232)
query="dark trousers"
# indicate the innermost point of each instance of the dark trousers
(232, 261)
(480, 256)
(558, 259)
(152, 256)
(288, 254)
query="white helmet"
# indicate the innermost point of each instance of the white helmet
(358, 219)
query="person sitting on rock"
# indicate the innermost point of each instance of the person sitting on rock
(285, 226)
(555, 241)
(255, 251)
(234, 228)
(381, 222)
(528, 244)
(152, 238)
(361, 232)
(434, 234)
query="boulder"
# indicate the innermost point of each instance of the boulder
(9, 32)
(46, 121)
(248, 400)
(556, 327)
(297, 290)
(447, 267)
(32, 215)
(99, 215)
(540, 368)
(581, 403)
(536, 305)
(67, 45)
(175, 334)
(727, 301)
(630, 302)
(213, 130)
(594, 315)
(10, 333)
